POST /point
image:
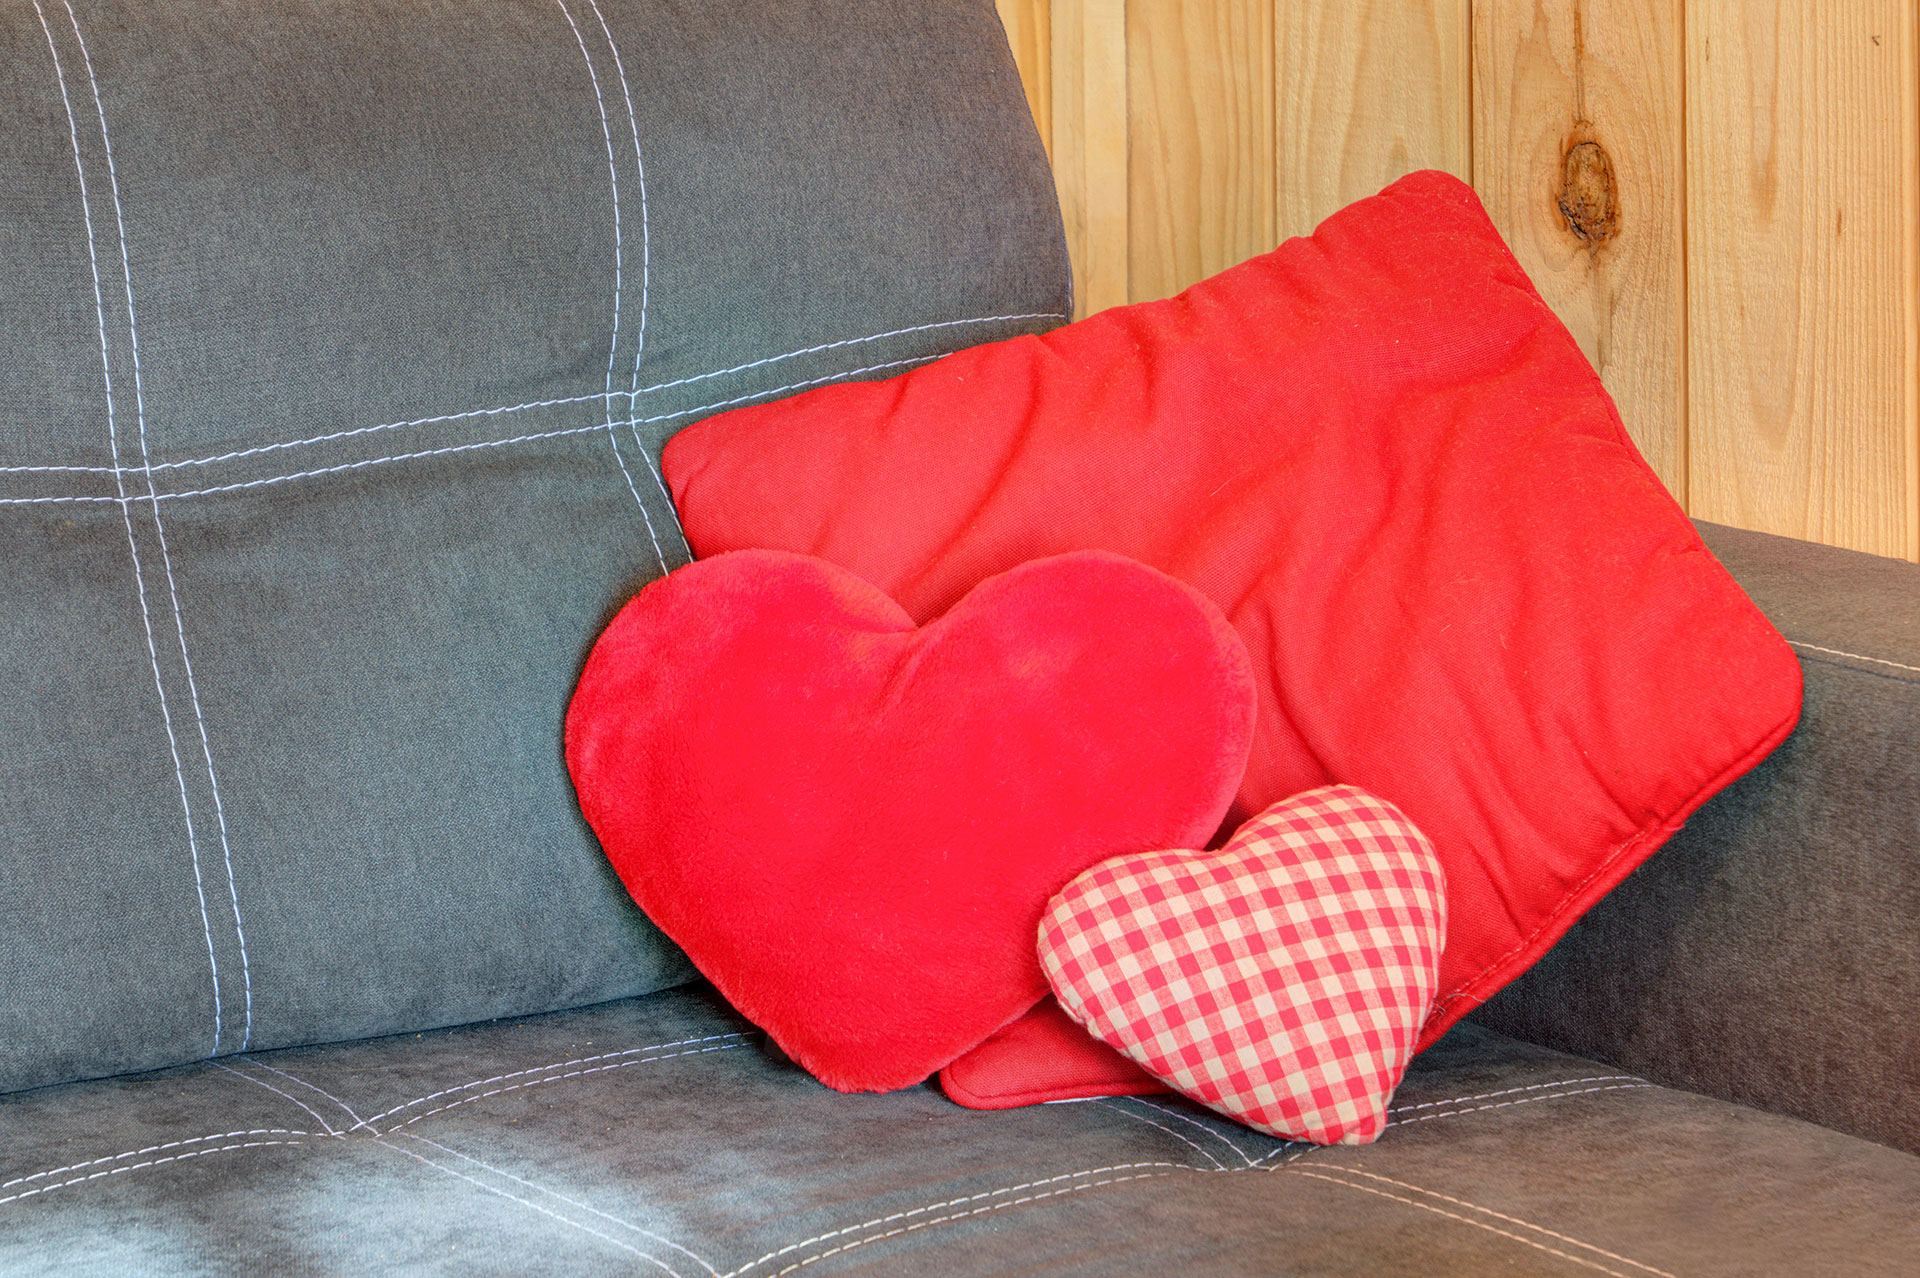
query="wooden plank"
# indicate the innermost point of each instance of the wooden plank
(1089, 60)
(1801, 259)
(1366, 93)
(1578, 154)
(1030, 34)
(1200, 109)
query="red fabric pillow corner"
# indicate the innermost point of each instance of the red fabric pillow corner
(1044, 1056)
(1390, 465)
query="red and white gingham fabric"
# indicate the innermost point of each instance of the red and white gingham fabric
(1281, 980)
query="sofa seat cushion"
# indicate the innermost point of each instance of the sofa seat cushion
(655, 1135)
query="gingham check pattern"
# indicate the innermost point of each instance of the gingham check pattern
(1281, 980)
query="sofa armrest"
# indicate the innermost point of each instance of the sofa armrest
(1770, 953)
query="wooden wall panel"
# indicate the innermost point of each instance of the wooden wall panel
(1721, 198)
(1802, 269)
(1029, 25)
(1366, 92)
(1200, 155)
(1578, 155)
(1089, 68)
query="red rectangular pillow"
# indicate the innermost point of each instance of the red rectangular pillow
(1390, 465)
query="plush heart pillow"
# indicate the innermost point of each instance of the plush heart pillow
(852, 825)
(1380, 453)
(1281, 980)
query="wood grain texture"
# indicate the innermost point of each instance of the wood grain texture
(1366, 91)
(1802, 269)
(1089, 61)
(1200, 151)
(1578, 155)
(1029, 25)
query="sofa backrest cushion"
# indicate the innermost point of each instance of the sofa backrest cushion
(336, 349)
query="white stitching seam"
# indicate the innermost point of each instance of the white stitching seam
(542, 1069)
(533, 404)
(318, 1117)
(1142, 1118)
(134, 1167)
(646, 275)
(1510, 1091)
(166, 555)
(1514, 1220)
(126, 512)
(571, 1202)
(977, 1211)
(613, 345)
(346, 1108)
(1465, 1220)
(465, 448)
(541, 1082)
(1192, 1121)
(151, 1149)
(956, 1202)
(1852, 656)
(492, 1189)
(1455, 1113)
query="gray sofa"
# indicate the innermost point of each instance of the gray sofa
(338, 344)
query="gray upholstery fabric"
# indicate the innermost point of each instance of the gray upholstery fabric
(655, 1136)
(1771, 951)
(336, 347)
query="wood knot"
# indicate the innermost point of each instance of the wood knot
(1589, 195)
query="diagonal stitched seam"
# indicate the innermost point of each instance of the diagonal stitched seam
(1190, 1144)
(1191, 1120)
(1477, 1224)
(126, 512)
(848, 341)
(1529, 1100)
(955, 1202)
(166, 555)
(1497, 1215)
(151, 1149)
(494, 1189)
(482, 444)
(345, 1108)
(613, 344)
(558, 1078)
(965, 1215)
(134, 1167)
(1510, 1091)
(318, 1117)
(542, 1069)
(1853, 656)
(571, 1202)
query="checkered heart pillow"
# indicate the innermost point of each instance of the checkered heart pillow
(1281, 980)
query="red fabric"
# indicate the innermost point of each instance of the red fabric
(1043, 1056)
(1387, 462)
(1281, 980)
(852, 825)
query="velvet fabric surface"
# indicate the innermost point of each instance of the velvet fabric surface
(336, 344)
(852, 824)
(1387, 461)
(655, 1136)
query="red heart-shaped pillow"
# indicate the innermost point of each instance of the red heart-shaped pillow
(1281, 980)
(852, 825)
